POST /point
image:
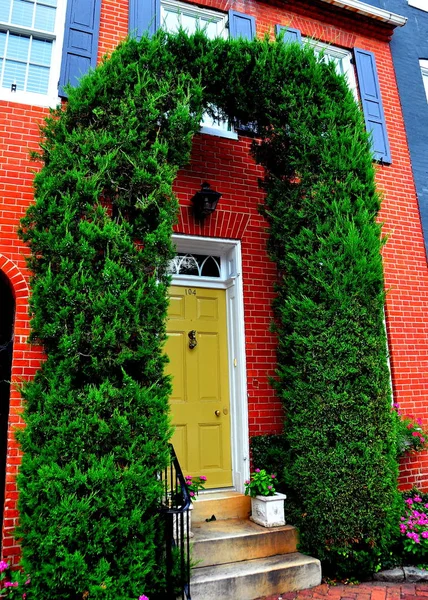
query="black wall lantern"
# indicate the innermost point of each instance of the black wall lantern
(205, 202)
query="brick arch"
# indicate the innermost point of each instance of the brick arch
(16, 279)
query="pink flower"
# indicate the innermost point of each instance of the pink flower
(8, 584)
(269, 487)
(425, 534)
(3, 566)
(417, 498)
(273, 476)
(422, 439)
(143, 597)
(257, 470)
(415, 433)
(191, 494)
(413, 536)
(247, 482)
(202, 478)
(409, 501)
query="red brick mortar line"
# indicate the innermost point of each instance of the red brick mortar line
(364, 591)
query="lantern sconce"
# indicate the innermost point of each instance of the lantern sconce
(205, 202)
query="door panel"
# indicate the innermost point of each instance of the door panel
(200, 398)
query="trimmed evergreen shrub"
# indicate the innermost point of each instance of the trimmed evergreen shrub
(96, 413)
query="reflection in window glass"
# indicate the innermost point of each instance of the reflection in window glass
(25, 62)
(197, 265)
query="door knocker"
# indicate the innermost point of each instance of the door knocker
(192, 339)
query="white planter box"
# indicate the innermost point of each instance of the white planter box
(268, 511)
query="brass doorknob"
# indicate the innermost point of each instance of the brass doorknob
(217, 413)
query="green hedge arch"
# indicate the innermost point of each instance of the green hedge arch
(96, 413)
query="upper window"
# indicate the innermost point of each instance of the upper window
(28, 38)
(341, 59)
(193, 18)
(424, 71)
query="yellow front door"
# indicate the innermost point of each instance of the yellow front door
(197, 349)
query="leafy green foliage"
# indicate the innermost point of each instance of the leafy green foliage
(270, 450)
(100, 237)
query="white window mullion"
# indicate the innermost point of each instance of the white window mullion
(27, 67)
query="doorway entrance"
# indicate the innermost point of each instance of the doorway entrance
(7, 314)
(207, 307)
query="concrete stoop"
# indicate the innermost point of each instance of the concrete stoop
(235, 559)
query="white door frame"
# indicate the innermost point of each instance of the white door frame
(230, 280)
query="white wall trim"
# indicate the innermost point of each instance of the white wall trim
(369, 11)
(231, 281)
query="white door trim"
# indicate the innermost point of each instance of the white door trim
(230, 280)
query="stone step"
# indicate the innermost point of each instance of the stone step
(235, 540)
(223, 505)
(255, 578)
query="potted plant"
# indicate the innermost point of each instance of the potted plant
(267, 505)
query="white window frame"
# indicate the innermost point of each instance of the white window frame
(345, 57)
(421, 4)
(50, 99)
(423, 63)
(208, 126)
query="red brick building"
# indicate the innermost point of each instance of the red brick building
(356, 36)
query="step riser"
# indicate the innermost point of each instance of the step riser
(256, 585)
(222, 551)
(231, 507)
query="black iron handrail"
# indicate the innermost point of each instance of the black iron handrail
(175, 506)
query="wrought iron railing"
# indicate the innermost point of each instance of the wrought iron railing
(175, 507)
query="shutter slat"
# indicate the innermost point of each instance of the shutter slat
(144, 16)
(82, 25)
(289, 35)
(371, 99)
(241, 25)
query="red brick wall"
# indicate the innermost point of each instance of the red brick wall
(226, 165)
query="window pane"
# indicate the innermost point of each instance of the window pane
(170, 21)
(22, 13)
(49, 2)
(41, 51)
(4, 10)
(2, 42)
(210, 29)
(45, 18)
(188, 23)
(38, 79)
(14, 72)
(18, 47)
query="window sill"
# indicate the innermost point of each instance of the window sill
(29, 98)
(223, 133)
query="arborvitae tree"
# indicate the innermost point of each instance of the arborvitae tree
(97, 411)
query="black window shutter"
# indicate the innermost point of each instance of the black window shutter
(374, 115)
(241, 25)
(289, 35)
(82, 25)
(144, 16)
